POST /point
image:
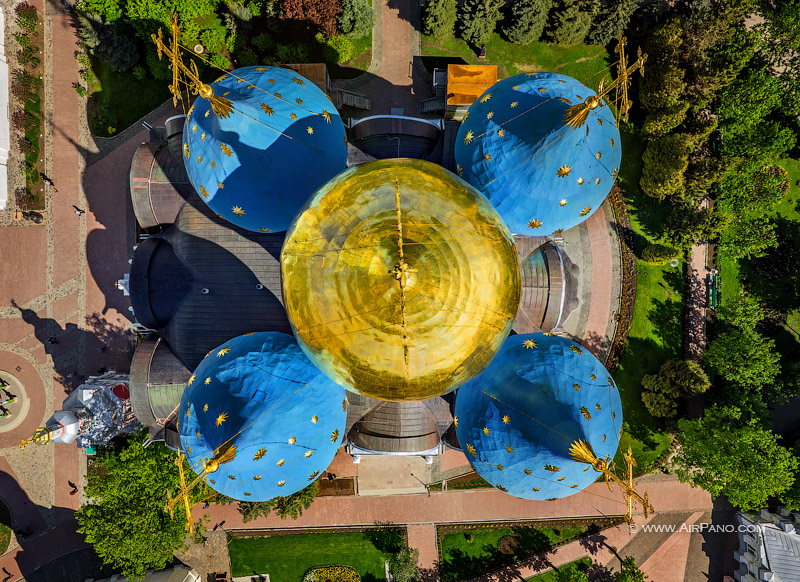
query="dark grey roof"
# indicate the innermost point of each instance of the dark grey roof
(157, 381)
(159, 186)
(201, 252)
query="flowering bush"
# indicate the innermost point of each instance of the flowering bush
(23, 121)
(332, 574)
(23, 85)
(25, 145)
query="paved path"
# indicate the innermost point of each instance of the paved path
(696, 299)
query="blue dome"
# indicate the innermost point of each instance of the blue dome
(518, 418)
(541, 175)
(282, 141)
(260, 394)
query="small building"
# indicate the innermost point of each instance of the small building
(465, 83)
(769, 546)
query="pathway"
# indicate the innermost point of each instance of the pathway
(696, 298)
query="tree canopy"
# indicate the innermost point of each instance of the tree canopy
(479, 18)
(676, 379)
(403, 565)
(740, 460)
(743, 357)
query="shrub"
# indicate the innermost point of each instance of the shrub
(570, 21)
(440, 18)
(526, 20)
(404, 565)
(263, 42)
(676, 379)
(27, 17)
(28, 56)
(23, 85)
(80, 90)
(356, 18)
(24, 121)
(657, 254)
(24, 198)
(338, 49)
(23, 40)
(25, 145)
(139, 72)
(508, 545)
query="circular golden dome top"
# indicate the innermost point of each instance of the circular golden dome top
(400, 280)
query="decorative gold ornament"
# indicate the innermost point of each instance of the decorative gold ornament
(580, 181)
(585, 413)
(221, 418)
(530, 344)
(486, 430)
(514, 104)
(293, 116)
(506, 419)
(468, 137)
(577, 387)
(486, 97)
(326, 116)
(267, 109)
(563, 202)
(280, 463)
(334, 435)
(576, 349)
(585, 211)
(223, 351)
(472, 451)
(191, 379)
(314, 419)
(310, 130)
(237, 210)
(490, 115)
(564, 171)
(535, 223)
(552, 468)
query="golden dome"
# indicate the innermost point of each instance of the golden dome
(400, 280)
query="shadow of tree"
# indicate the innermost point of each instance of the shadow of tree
(388, 539)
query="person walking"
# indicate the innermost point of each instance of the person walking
(78, 211)
(48, 181)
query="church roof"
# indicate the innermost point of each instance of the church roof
(541, 175)
(517, 420)
(256, 166)
(271, 419)
(400, 280)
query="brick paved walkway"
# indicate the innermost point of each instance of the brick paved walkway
(696, 298)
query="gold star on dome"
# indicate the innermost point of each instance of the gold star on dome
(334, 435)
(226, 149)
(197, 433)
(552, 468)
(576, 349)
(256, 477)
(205, 407)
(194, 127)
(223, 351)
(463, 119)
(239, 80)
(577, 387)
(490, 115)
(267, 109)
(565, 100)
(597, 406)
(472, 451)
(604, 438)
(611, 142)
(344, 403)
(561, 478)
(293, 116)
(486, 97)
(598, 155)
(501, 488)
(585, 210)
(536, 489)
(237, 210)
(187, 413)
(514, 104)
(281, 483)
(488, 157)
(259, 454)
(506, 419)
(535, 223)
(308, 453)
(247, 493)
(510, 449)
(563, 202)
(220, 185)
(203, 191)
(298, 81)
(278, 95)
(613, 415)
(232, 477)
(292, 440)
(585, 413)
(314, 419)
(562, 81)
(548, 334)
(580, 181)
(207, 381)
(191, 380)
(542, 90)
(614, 173)
(280, 463)
(199, 159)
(486, 430)
(515, 87)
(207, 113)
(264, 230)
(526, 471)
(189, 450)
(573, 486)
(468, 137)
(499, 467)
(213, 164)
(271, 81)
(501, 132)
(557, 232)
(203, 136)
(313, 475)
(455, 421)
(563, 171)
(310, 130)
(298, 101)
(326, 116)
(186, 150)
(599, 121)
(530, 344)
(221, 418)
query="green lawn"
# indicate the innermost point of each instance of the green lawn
(656, 333)
(462, 559)
(580, 61)
(287, 557)
(5, 528)
(552, 576)
(120, 99)
(32, 164)
(362, 57)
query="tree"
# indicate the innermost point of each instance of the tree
(570, 20)
(740, 460)
(479, 18)
(661, 122)
(403, 565)
(663, 84)
(750, 238)
(109, 9)
(791, 497)
(125, 519)
(570, 573)
(321, 13)
(356, 18)
(688, 226)
(657, 254)
(104, 40)
(288, 506)
(611, 21)
(743, 357)
(526, 20)
(676, 379)
(440, 19)
(743, 313)
(629, 572)
(664, 162)
(754, 187)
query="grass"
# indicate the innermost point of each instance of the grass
(120, 99)
(476, 483)
(5, 528)
(462, 559)
(286, 558)
(580, 61)
(552, 576)
(32, 164)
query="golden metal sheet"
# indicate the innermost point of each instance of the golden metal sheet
(400, 280)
